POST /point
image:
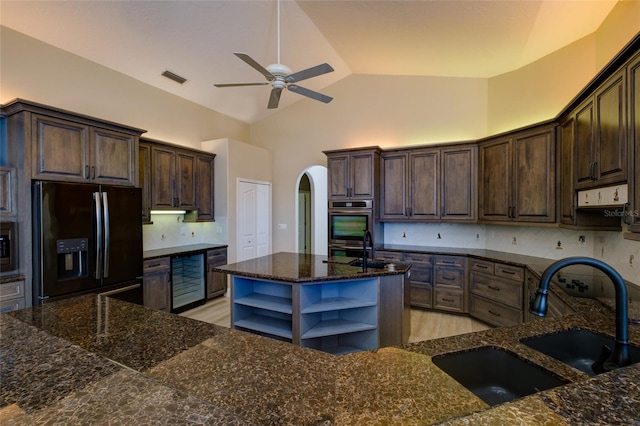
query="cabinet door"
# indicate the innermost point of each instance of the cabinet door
(567, 193)
(185, 183)
(7, 192)
(424, 183)
(361, 175)
(584, 145)
(534, 180)
(216, 281)
(157, 284)
(338, 175)
(494, 195)
(458, 183)
(204, 187)
(144, 179)
(113, 157)
(634, 126)
(163, 163)
(60, 149)
(393, 200)
(611, 141)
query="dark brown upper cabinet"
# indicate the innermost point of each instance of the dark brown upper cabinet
(517, 177)
(144, 179)
(353, 174)
(601, 141)
(181, 179)
(70, 151)
(634, 143)
(426, 184)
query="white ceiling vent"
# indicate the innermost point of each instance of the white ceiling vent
(174, 77)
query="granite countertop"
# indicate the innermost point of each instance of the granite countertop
(300, 268)
(170, 251)
(96, 360)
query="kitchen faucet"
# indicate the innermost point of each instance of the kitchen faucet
(608, 360)
(367, 236)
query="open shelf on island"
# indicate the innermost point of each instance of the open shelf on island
(337, 303)
(336, 326)
(264, 301)
(267, 325)
(344, 343)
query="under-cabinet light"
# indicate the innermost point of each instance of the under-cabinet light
(168, 211)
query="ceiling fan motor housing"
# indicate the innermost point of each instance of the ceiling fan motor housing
(279, 70)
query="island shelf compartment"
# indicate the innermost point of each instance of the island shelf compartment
(263, 307)
(340, 316)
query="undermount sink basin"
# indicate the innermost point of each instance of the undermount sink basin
(495, 375)
(576, 347)
(371, 263)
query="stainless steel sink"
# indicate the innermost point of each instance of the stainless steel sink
(496, 375)
(576, 347)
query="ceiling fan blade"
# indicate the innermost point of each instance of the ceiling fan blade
(310, 93)
(241, 84)
(274, 99)
(309, 72)
(262, 70)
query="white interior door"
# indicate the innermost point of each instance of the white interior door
(254, 220)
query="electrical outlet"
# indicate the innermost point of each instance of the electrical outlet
(514, 241)
(183, 231)
(582, 241)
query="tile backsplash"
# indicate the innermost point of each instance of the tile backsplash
(550, 243)
(168, 230)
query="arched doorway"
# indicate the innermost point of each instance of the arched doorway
(311, 211)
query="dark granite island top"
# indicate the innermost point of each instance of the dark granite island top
(302, 268)
(93, 360)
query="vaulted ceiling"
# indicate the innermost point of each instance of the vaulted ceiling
(197, 39)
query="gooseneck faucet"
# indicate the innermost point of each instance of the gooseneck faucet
(366, 237)
(609, 359)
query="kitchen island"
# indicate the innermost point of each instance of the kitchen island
(325, 304)
(96, 360)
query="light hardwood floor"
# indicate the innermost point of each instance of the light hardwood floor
(425, 325)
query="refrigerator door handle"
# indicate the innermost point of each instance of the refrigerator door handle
(98, 209)
(107, 235)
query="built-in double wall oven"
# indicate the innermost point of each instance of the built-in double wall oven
(348, 221)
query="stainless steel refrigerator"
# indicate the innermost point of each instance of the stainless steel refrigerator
(86, 239)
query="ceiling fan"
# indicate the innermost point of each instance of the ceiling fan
(280, 77)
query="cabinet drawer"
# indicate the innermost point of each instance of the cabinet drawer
(12, 290)
(452, 277)
(493, 312)
(216, 258)
(449, 300)
(515, 273)
(458, 261)
(498, 289)
(418, 258)
(11, 305)
(388, 255)
(421, 295)
(153, 265)
(481, 266)
(422, 274)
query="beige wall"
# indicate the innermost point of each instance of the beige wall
(35, 71)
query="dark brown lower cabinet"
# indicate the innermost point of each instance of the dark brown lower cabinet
(157, 284)
(216, 281)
